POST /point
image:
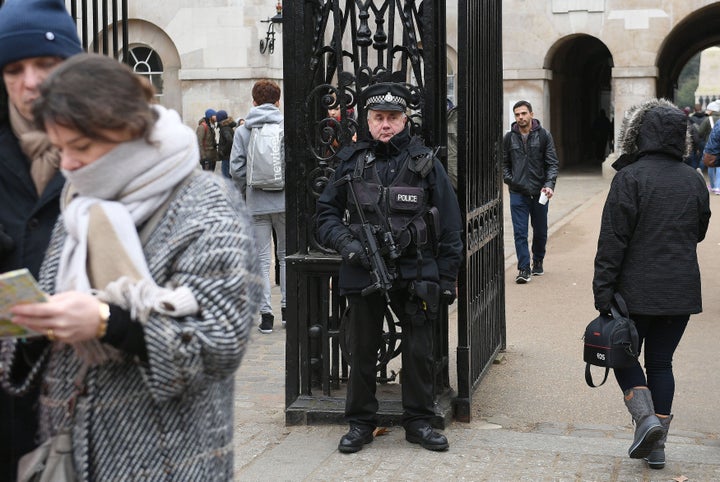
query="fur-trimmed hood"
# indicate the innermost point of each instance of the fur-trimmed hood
(656, 126)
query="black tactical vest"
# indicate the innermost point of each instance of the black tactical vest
(399, 207)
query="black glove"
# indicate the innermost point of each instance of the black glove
(447, 291)
(7, 244)
(353, 252)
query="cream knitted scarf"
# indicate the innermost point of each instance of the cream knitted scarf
(102, 207)
(44, 157)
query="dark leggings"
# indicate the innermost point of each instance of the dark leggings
(660, 336)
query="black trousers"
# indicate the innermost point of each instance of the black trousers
(364, 328)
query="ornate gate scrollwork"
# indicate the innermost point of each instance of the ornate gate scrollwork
(333, 50)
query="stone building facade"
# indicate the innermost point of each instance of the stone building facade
(571, 58)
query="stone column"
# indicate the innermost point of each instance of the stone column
(532, 85)
(630, 86)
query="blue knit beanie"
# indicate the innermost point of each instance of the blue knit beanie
(36, 28)
(209, 113)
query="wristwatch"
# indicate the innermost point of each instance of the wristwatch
(104, 318)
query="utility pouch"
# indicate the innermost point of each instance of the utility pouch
(425, 298)
(415, 312)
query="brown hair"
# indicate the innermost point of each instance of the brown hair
(90, 93)
(265, 91)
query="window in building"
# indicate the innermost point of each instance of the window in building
(146, 62)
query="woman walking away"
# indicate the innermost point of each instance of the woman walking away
(656, 212)
(152, 285)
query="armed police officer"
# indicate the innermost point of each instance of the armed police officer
(401, 245)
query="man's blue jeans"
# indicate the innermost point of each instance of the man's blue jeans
(522, 209)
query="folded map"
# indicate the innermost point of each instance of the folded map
(17, 287)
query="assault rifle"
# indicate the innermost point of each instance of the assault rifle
(381, 277)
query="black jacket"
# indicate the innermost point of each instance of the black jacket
(527, 168)
(225, 142)
(29, 220)
(656, 212)
(390, 156)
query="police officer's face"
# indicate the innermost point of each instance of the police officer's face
(384, 124)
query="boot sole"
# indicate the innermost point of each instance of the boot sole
(645, 446)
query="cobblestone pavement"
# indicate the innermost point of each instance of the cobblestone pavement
(533, 417)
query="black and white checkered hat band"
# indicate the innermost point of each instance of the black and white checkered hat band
(386, 99)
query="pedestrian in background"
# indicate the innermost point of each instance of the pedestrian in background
(407, 194)
(266, 206)
(35, 37)
(226, 125)
(530, 168)
(707, 125)
(695, 158)
(207, 142)
(656, 212)
(152, 281)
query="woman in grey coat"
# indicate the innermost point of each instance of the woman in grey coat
(153, 284)
(656, 213)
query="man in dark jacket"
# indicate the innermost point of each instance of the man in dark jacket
(35, 36)
(406, 196)
(225, 141)
(656, 213)
(530, 168)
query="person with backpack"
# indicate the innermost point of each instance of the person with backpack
(257, 165)
(530, 168)
(226, 125)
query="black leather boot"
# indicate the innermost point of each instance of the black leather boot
(357, 436)
(422, 433)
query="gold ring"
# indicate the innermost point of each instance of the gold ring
(50, 334)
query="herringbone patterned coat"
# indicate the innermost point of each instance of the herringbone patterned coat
(170, 419)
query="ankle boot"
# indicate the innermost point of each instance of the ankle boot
(656, 458)
(648, 429)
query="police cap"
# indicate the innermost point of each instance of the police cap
(386, 96)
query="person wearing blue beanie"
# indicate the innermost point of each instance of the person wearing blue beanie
(35, 37)
(207, 142)
(36, 28)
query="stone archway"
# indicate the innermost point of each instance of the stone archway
(142, 33)
(695, 33)
(580, 88)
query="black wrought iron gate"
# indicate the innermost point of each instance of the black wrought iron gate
(481, 302)
(96, 20)
(333, 49)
